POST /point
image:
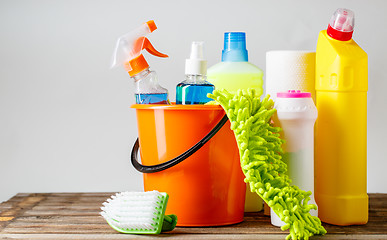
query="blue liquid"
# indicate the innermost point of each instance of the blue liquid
(193, 93)
(152, 98)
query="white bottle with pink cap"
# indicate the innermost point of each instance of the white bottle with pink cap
(296, 115)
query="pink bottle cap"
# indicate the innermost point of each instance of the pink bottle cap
(294, 94)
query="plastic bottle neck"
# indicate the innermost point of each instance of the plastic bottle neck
(339, 35)
(234, 49)
(141, 75)
(234, 56)
(195, 78)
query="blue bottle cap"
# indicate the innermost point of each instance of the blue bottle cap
(234, 49)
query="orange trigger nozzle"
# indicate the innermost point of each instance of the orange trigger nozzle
(149, 47)
(151, 25)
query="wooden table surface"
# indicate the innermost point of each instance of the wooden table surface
(76, 216)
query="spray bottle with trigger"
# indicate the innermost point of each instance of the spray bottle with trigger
(128, 53)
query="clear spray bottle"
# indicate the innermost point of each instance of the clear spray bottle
(128, 53)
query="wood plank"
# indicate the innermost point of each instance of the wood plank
(19, 206)
(61, 219)
(76, 224)
(128, 236)
(76, 216)
(181, 236)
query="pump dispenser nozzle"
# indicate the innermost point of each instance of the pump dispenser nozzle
(196, 64)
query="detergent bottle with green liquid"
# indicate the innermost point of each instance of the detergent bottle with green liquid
(341, 127)
(234, 72)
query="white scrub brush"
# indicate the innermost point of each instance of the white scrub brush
(138, 212)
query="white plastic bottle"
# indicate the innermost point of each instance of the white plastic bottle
(296, 115)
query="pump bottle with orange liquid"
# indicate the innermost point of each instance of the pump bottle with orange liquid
(341, 127)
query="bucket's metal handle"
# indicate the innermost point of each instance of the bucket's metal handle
(162, 166)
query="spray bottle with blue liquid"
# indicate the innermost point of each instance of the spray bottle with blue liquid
(194, 89)
(128, 53)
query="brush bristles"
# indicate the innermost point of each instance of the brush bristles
(133, 210)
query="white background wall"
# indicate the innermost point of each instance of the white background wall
(65, 121)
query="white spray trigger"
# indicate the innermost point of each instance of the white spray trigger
(129, 46)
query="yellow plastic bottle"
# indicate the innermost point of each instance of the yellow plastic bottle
(232, 74)
(341, 127)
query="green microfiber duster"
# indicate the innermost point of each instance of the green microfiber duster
(260, 156)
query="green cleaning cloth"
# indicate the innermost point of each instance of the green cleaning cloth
(260, 156)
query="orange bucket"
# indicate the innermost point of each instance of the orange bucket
(207, 188)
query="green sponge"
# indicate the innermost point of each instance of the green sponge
(260, 156)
